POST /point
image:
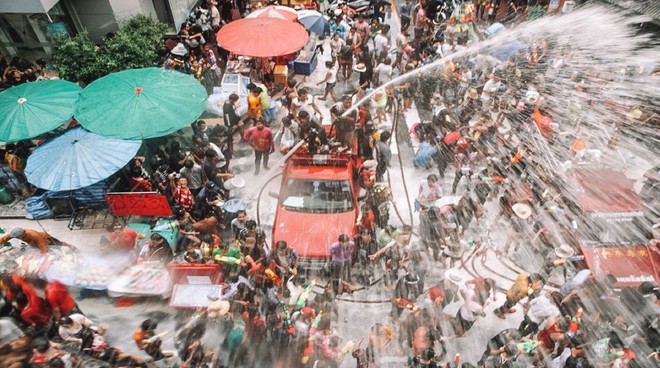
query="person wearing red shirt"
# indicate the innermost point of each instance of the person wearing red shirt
(59, 299)
(182, 194)
(123, 239)
(35, 311)
(261, 140)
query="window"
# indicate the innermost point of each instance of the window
(318, 196)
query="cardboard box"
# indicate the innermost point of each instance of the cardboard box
(281, 73)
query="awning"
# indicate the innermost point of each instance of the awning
(27, 6)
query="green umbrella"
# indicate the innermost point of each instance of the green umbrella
(32, 109)
(140, 103)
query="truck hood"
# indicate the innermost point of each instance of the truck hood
(311, 234)
(630, 265)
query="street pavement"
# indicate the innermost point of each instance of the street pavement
(358, 312)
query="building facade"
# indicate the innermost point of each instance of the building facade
(28, 26)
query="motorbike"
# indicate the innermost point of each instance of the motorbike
(347, 11)
(444, 10)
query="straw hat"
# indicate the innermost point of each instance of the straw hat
(454, 276)
(472, 93)
(360, 67)
(522, 210)
(564, 251)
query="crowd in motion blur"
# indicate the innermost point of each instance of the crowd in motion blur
(501, 150)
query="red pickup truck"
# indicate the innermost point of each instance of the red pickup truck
(317, 202)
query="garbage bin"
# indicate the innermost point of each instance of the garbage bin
(6, 197)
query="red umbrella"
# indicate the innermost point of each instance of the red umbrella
(275, 11)
(262, 37)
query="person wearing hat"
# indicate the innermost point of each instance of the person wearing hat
(559, 259)
(406, 290)
(34, 238)
(519, 225)
(366, 71)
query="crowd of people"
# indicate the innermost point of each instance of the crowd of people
(274, 314)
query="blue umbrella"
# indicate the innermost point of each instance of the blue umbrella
(314, 21)
(78, 158)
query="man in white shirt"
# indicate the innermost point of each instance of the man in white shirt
(384, 71)
(215, 15)
(469, 311)
(72, 325)
(490, 87)
(538, 311)
(304, 102)
(430, 190)
(381, 42)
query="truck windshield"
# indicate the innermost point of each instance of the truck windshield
(318, 196)
(616, 230)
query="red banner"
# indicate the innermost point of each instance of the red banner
(138, 204)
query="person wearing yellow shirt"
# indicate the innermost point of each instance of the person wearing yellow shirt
(254, 104)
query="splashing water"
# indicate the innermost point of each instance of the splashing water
(595, 55)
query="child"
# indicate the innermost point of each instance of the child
(192, 254)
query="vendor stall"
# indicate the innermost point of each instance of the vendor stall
(91, 273)
(144, 279)
(20, 258)
(195, 285)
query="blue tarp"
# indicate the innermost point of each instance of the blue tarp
(92, 196)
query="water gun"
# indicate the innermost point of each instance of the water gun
(529, 345)
(169, 225)
(273, 277)
(154, 338)
(406, 304)
(315, 322)
(307, 352)
(575, 323)
(302, 298)
(534, 287)
(569, 259)
(494, 178)
(229, 260)
(347, 347)
(516, 158)
(287, 322)
(254, 266)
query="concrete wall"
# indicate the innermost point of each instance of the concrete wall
(96, 16)
(180, 10)
(127, 8)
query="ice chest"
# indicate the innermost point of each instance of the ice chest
(305, 63)
(281, 73)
